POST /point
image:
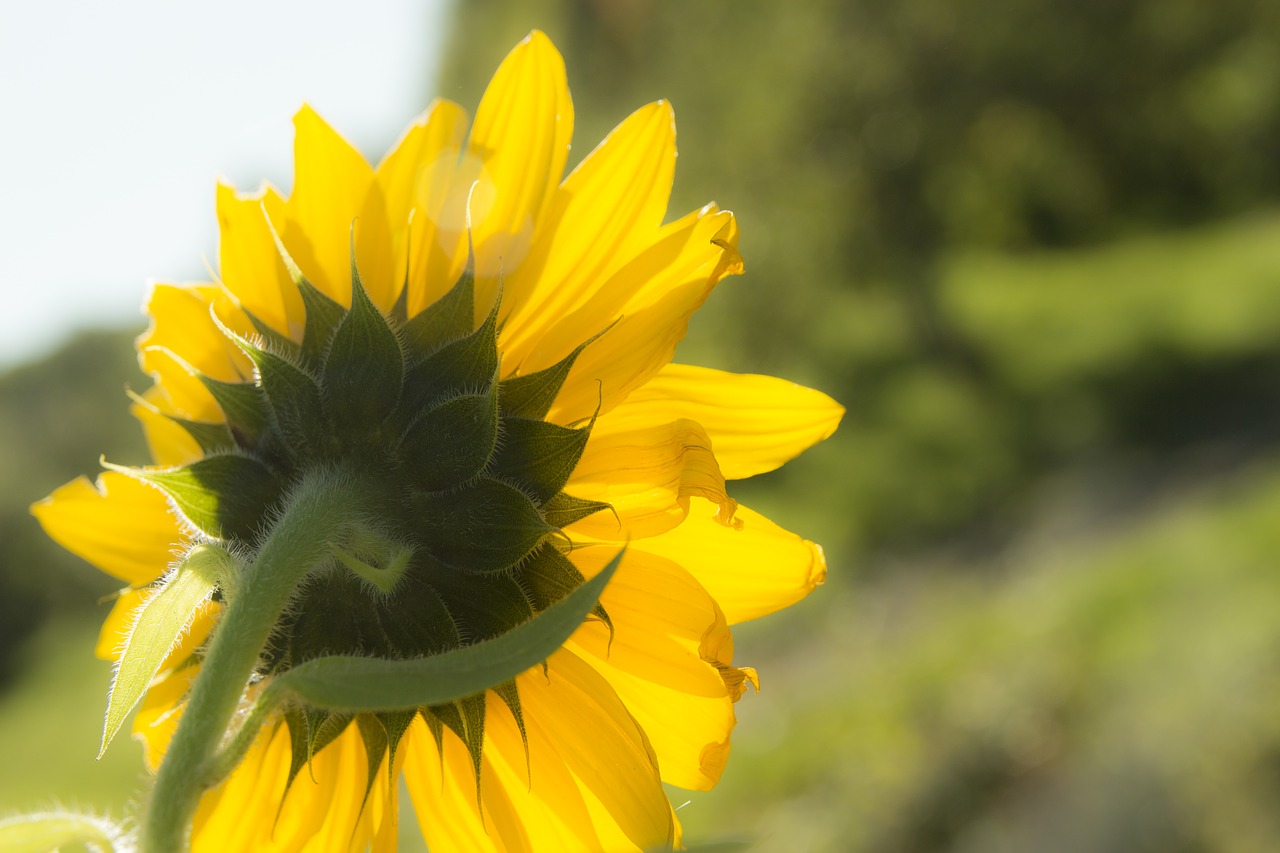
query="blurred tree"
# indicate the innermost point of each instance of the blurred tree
(865, 144)
(57, 416)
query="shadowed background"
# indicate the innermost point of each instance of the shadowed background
(1034, 247)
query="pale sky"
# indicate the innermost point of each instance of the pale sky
(117, 117)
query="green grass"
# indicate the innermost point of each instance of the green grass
(50, 725)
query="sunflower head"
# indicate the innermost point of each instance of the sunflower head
(476, 349)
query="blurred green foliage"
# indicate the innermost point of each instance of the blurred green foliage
(58, 415)
(871, 150)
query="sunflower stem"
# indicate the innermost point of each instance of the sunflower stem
(322, 506)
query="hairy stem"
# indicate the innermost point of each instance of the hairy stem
(322, 506)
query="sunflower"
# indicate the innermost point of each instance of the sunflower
(484, 349)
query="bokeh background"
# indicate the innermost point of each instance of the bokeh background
(1033, 246)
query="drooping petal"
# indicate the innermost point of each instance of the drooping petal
(249, 261)
(651, 300)
(120, 525)
(604, 214)
(756, 423)
(515, 157)
(417, 181)
(669, 658)
(334, 189)
(751, 569)
(648, 476)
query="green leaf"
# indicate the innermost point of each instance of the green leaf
(364, 367)
(485, 526)
(353, 684)
(45, 832)
(538, 455)
(225, 496)
(454, 441)
(158, 626)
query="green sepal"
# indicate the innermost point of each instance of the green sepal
(353, 684)
(466, 718)
(502, 604)
(564, 509)
(389, 558)
(294, 400)
(158, 626)
(375, 748)
(322, 313)
(416, 622)
(272, 339)
(454, 441)
(465, 365)
(222, 496)
(208, 435)
(484, 526)
(243, 405)
(449, 318)
(437, 731)
(43, 832)
(397, 724)
(509, 693)
(363, 368)
(310, 731)
(538, 455)
(549, 576)
(211, 437)
(531, 396)
(323, 317)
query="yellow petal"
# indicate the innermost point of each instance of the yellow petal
(115, 628)
(180, 323)
(334, 188)
(577, 711)
(669, 659)
(654, 295)
(321, 813)
(121, 526)
(417, 181)
(590, 782)
(183, 341)
(648, 476)
(756, 423)
(159, 712)
(170, 444)
(442, 787)
(515, 156)
(249, 260)
(751, 570)
(604, 213)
